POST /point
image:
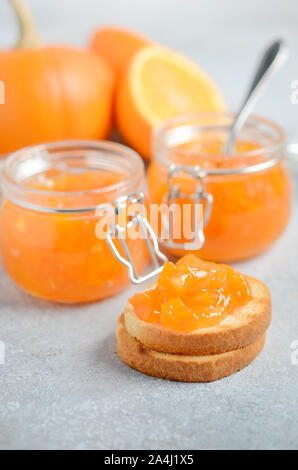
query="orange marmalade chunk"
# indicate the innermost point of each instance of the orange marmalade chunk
(192, 294)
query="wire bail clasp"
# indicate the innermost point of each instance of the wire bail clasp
(198, 198)
(124, 219)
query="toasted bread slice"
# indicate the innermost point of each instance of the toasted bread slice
(183, 368)
(242, 327)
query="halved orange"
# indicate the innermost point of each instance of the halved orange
(160, 84)
(117, 46)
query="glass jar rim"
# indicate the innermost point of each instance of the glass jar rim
(161, 134)
(15, 189)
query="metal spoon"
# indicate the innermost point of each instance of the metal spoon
(273, 58)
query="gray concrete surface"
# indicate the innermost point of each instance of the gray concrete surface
(62, 385)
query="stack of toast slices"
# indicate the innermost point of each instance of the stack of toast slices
(202, 355)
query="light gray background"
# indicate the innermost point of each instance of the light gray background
(62, 385)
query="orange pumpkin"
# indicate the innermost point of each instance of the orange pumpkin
(51, 93)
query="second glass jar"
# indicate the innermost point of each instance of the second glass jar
(48, 218)
(247, 195)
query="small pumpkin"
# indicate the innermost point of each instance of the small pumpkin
(51, 93)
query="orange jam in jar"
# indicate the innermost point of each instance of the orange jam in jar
(49, 243)
(192, 294)
(245, 197)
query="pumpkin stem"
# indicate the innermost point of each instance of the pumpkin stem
(29, 37)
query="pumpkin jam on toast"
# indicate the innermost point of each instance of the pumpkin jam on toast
(197, 312)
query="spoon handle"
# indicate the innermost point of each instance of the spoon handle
(273, 58)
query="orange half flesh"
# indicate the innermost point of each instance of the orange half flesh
(161, 84)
